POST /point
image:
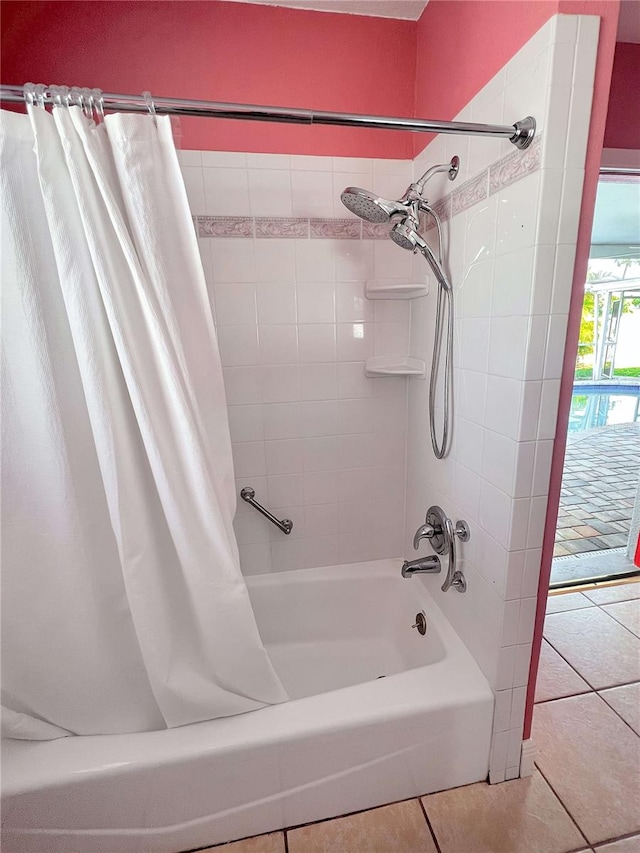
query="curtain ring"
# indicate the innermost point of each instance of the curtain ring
(39, 92)
(98, 105)
(87, 100)
(150, 105)
(28, 90)
(74, 98)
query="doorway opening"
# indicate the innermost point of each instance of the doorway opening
(599, 512)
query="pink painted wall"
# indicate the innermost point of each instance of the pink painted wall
(623, 118)
(226, 52)
(462, 44)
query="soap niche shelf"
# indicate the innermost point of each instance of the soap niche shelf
(388, 365)
(394, 289)
(394, 365)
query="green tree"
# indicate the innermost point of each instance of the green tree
(585, 340)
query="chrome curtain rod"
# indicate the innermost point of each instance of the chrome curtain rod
(521, 133)
(620, 170)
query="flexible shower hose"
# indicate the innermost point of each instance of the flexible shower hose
(445, 295)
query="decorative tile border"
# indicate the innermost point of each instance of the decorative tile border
(272, 227)
(514, 166)
(375, 230)
(336, 229)
(225, 226)
(469, 193)
(511, 168)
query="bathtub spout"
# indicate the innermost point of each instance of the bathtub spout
(430, 565)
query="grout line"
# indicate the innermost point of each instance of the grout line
(613, 709)
(569, 696)
(431, 829)
(556, 795)
(619, 838)
(571, 665)
(602, 606)
(286, 841)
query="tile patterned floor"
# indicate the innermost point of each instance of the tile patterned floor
(598, 489)
(585, 792)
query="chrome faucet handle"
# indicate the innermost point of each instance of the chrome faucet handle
(462, 531)
(427, 531)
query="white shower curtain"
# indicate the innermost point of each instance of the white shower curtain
(123, 605)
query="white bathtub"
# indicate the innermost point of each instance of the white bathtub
(348, 740)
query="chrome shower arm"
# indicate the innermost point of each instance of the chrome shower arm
(452, 168)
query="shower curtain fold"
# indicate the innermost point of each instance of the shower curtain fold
(124, 608)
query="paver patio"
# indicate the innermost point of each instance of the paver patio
(598, 489)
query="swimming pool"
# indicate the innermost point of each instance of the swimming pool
(597, 404)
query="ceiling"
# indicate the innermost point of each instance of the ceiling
(406, 9)
(616, 222)
(629, 21)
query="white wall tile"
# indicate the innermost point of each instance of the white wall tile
(502, 712)
(226, 192)
(281, 383)
(255, 559)
(284, 456)
(531, 577)
(235, 304)
(233, 260)
(513, 283)
(317, 342)
(316, 302)
(283, 420)
(285, 490)
(312, 194)
(238, 345)
(189, 158)
(270, 192)
(517, 215)
(508, 346)
(354, 341)
(194, 185)
(276, 303)
(271, 162)
(278, 344)
(242, 385)
(275, 260)
(521, 670)
(318, 382)
(570, 206)
(351, 304)
(224, 159)
(314, 261)
(249, 459)
(246, 423)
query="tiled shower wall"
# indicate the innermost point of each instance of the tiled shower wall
(347, 458)
(511, 234)
(286, 266)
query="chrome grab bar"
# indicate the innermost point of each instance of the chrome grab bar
(248, 494)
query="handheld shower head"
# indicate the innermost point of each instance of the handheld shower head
(368, 205)
(405, 235)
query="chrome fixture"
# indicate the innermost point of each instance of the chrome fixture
(520, 134)
(405, 233)
(425, 565)
(421, 622)
(248, 494)
(441, 532)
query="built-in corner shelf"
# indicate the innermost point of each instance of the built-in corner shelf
(385, 365)
(394, 289)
